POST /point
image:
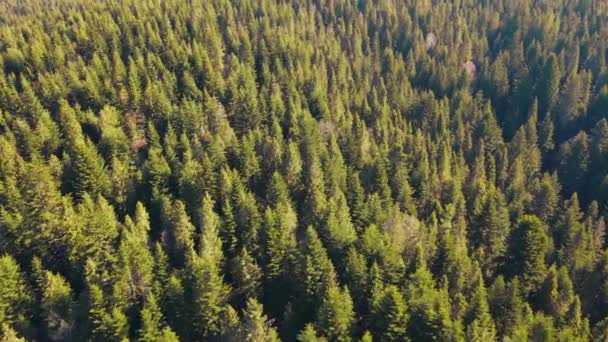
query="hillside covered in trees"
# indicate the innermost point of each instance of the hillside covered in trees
(313, 170)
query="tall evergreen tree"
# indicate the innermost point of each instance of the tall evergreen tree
(528, 247)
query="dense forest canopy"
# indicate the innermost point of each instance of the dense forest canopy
(314, 170)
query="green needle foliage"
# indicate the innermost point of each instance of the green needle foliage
(327, 170)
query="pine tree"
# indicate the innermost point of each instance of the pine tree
(210, 244)
(156, 171)
(280, 239)
(279, 256)
(573, 99)
(209, 292)
(161, 163)
(428, 309)
(574, 162)
(190, 185)
(542, 328)
(509, 311)
(495, 227)
(356, 201)
(549, 84)
(95, 234)
(106, 325)
(336, 315)
(392, 317)
(228, 230)
(58, 308)
(573, 236)
(255, 326)
(356, 272)
(188, 86)
(209, 295)
(338, 230)
(314, 270)
(527, 248)
(403, 190)
(309, 334)
(243, 96)
(136, 258)
(381, 185)
(546, 197)
(89, 170)
(152, 326)
(481, 326)
(15, 296)
(114, 142)
(315, 201)
(246, 275)
(177, 312)
(179, 233)
(247, 160)
(277, 192)
(293, 166)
